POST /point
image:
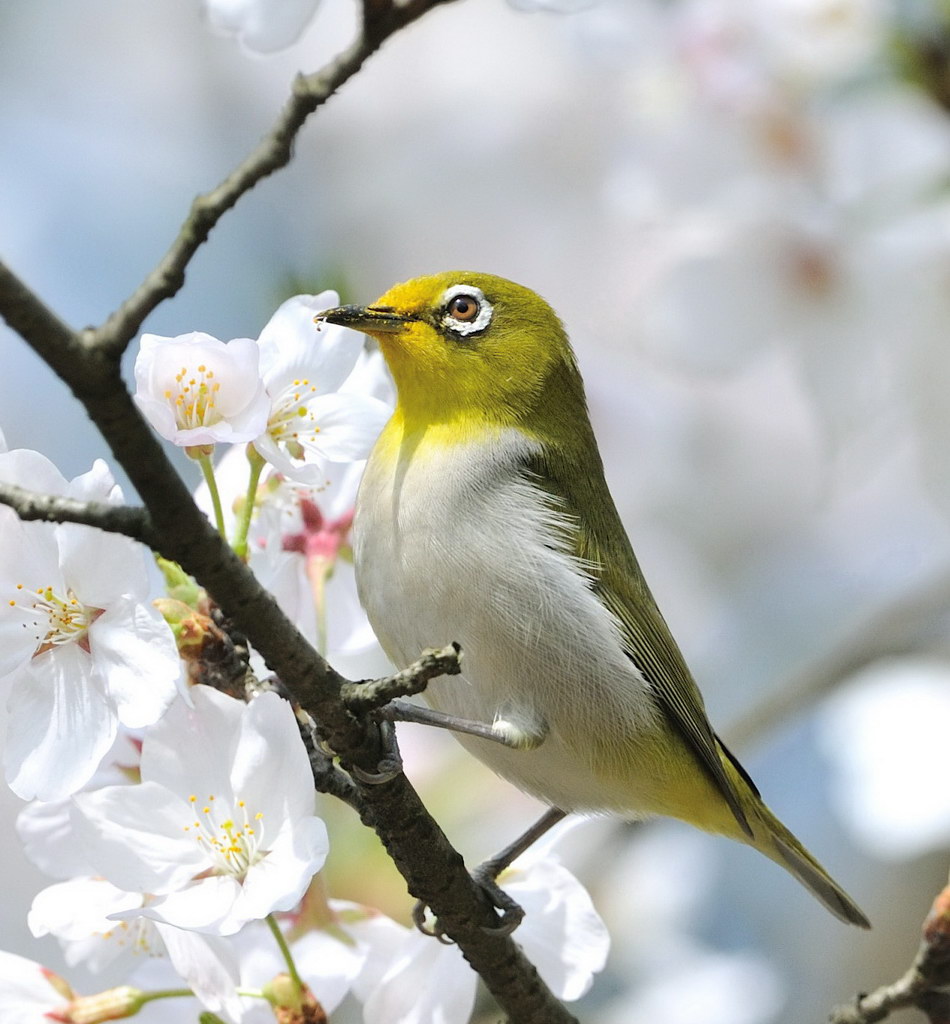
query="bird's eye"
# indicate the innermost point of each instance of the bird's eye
(464, 308)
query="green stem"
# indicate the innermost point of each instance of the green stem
(244, 519)
(207, 470)
(285, 952)
(165, 993)
(250, 993)
(179, 993)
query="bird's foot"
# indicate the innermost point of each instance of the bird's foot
(510, 912)
(389, 765)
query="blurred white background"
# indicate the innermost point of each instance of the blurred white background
(741, 212)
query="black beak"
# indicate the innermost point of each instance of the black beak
(369, 319)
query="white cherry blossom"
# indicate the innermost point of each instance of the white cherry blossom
(81, 648)
(221, 830)
(196, 390)
(29, 993)
(312, 420)
(82, 914)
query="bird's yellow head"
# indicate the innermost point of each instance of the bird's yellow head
(466, 348)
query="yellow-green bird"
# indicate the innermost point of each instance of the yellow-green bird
(483, 517)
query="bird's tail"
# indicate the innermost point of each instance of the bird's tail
(774, 840)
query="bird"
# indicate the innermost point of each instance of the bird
(484, 518)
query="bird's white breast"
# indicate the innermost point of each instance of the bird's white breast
(454, 542)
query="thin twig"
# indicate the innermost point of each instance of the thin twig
(920, 986)
(274, 151)
(374, 693)
(32, 506)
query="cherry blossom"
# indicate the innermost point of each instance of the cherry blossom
(81, 649)
(197, 391)
(221, 830)
(313, 420)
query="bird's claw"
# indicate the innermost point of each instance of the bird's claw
(420, 921)
(390, 764)
(388, 770)
(511, 913)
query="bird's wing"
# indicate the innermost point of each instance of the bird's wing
(604, 549)
(651, 647)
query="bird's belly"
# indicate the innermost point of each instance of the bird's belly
(443, 556)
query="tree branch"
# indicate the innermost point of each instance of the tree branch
(374, 693)
(47, 508)
(89, 363)
(919, 987)
(274, 151)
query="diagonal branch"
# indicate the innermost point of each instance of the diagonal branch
(381, 19)
(433, 869)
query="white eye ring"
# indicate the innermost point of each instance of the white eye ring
(466, 327)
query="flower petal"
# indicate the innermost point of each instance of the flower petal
(293, 348)
(60, 726)
(207, 964)
(562, 934)
(271, 769)
(208, 731)
(429, 982)
(29, 558)
(141, 838)
(101, 567)
(26, 994)
(135, 650)
(202, 906)
(349, 425)
(97, 484)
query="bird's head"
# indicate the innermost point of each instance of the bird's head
(464, 347)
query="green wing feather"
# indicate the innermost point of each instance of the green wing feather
(573, 475)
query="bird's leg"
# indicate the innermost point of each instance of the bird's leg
(518, 735)
(486, 873)
(493, 867)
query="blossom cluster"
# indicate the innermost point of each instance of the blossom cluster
(180, 823)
